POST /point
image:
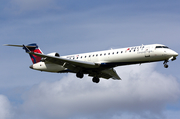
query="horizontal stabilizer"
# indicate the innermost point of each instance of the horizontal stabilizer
(33, 47)
(19, 46)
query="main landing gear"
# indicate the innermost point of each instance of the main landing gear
(95, 79)
(165, 64)
(81, 75)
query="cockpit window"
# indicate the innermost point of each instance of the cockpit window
(158, 46)
(164, 46)
(161, 47)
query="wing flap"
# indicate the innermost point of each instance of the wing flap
(110, 73)
(107, 73)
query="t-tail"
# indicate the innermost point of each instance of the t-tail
(33, 48)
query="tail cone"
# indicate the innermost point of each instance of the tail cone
(31, 66)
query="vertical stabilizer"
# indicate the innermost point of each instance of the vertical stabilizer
(34, 48)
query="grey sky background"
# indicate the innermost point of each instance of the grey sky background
(69, 27)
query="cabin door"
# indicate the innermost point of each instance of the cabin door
(147, 52)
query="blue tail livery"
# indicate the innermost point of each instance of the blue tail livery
(34, 48)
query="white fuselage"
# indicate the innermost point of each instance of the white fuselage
(115, 57)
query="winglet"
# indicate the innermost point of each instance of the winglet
(26, 49)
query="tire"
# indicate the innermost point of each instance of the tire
(95, 79)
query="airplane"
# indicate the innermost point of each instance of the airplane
(98, 64)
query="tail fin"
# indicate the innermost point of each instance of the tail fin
(34, 48)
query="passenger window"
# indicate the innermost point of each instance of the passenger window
(104, 53)
(96, 54)
(121, 51)
(100, 54)
(108, 53)
(117, 52)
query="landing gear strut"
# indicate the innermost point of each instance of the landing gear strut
(165, 64)
(95, 79)
(80, 75)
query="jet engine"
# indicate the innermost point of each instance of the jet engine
(54, 54)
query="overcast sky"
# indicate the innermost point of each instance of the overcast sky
(67, 26)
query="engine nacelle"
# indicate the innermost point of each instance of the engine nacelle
(54, 54)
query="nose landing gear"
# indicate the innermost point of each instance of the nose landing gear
(165, 64)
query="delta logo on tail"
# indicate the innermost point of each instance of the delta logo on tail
(34, 48)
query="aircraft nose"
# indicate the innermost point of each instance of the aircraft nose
(175, 54)
(172, 53)
(31, 66)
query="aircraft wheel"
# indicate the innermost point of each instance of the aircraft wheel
(95, 79)
(80, 75)
(165, 66)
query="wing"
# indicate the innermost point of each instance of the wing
(64, 61)
(76, 65)
(110, 73)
